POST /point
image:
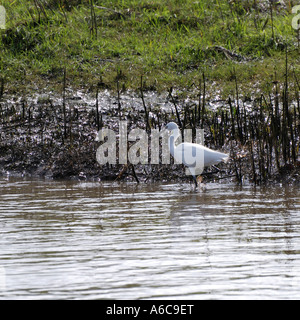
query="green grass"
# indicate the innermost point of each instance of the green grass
(170, 43)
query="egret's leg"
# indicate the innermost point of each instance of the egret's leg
(196, 182)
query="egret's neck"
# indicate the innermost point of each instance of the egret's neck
(172, 139)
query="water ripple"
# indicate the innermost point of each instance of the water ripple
(71, 240)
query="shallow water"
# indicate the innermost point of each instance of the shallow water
(86, 240)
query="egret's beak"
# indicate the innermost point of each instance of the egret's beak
(164, 129)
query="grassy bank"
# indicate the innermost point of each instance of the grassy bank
(170, 43)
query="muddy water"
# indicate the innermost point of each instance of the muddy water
(86, 240)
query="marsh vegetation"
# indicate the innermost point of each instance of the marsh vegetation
(229, 67)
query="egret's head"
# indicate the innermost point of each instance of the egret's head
(171, 126)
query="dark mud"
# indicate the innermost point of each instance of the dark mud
(54, 137)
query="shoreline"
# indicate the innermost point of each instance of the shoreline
(55, 138)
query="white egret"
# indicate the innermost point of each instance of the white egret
(194, 156)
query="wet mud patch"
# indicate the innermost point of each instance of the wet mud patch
(53, 137)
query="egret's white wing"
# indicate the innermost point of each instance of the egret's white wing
(192, 154)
